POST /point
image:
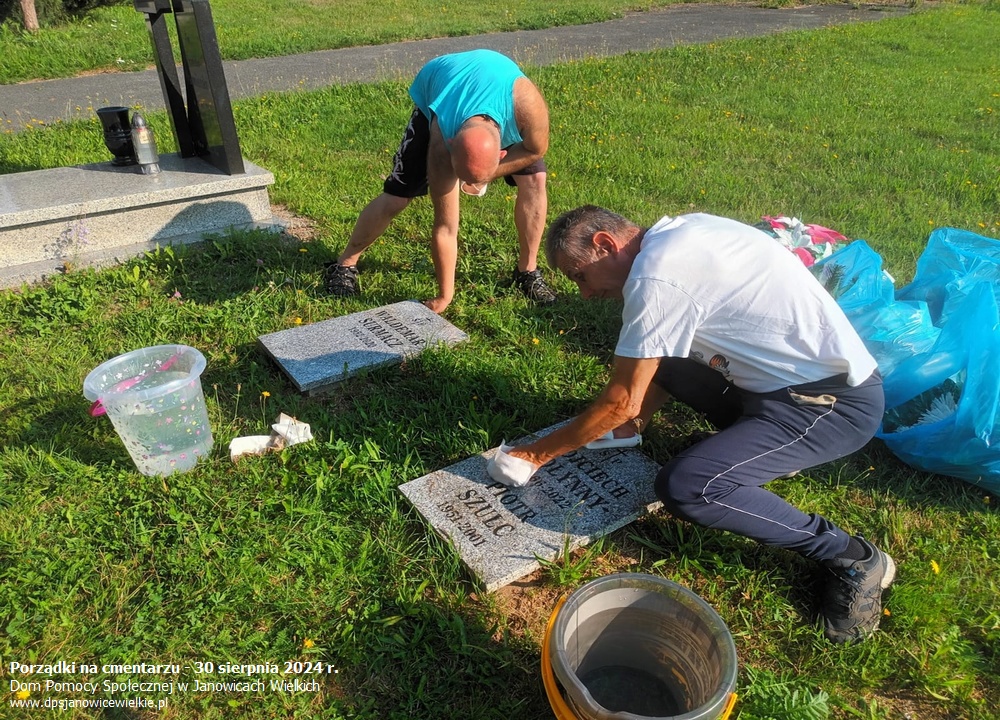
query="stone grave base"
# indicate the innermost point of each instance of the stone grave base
(100, 214)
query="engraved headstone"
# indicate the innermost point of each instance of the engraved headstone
(323, 354)
(500, 532)
(207, 127)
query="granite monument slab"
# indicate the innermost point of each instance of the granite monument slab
(322, 354)
(500, 532)
(207, 127)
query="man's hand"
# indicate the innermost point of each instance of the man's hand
(437, 304)
(622, 399)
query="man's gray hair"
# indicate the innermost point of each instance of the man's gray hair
(572, 233)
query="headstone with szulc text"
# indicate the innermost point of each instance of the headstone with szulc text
(500, 532)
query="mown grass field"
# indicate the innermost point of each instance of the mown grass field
(883, 131)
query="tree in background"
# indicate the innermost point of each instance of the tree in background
(29, 15)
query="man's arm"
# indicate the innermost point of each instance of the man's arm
(532, 118)
(443, 185)
(620, 401)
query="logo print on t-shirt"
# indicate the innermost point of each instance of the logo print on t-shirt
(719, 362)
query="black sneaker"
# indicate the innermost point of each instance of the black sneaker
(852, 603)
(341, 279)
(532, 286)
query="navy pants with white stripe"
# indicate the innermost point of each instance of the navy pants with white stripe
(718, 482)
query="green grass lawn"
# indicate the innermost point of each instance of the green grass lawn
(883, 131)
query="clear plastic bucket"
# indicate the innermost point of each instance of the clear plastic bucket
(154, 399)
(633, 647)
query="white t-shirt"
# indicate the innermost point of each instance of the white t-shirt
(728, 295)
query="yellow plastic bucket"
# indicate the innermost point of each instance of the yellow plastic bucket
(637, 647)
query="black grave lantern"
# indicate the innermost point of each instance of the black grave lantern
(205, 128)
(117, 133)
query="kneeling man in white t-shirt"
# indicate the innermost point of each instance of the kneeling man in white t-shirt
(718, 315)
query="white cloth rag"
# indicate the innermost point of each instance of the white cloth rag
(286, 432)
(509, 470)
(293, 431)
(250, 445)
(608, 440)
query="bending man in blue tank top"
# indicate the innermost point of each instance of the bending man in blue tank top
(477, 119)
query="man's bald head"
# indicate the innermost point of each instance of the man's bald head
(475, 150)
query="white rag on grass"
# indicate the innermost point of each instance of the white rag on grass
(286, 432)
(293, 431)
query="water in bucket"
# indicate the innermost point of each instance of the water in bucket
(633, 646)
(154, 399)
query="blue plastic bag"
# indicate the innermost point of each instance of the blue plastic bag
(891, 330)
(855, 278)
(941, 406)
(937, 343)
(951, 264)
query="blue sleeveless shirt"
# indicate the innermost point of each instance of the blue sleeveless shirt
(455, 87)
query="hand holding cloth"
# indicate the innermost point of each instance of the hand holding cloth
(508, 469)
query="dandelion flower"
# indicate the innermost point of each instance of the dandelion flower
(23, 694)
(935, 567)
(265, 394)
(535, 341)
(297, 321)
(307, 643)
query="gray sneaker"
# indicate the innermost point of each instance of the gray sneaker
(852, 601)
(341, 279)
(533, 286)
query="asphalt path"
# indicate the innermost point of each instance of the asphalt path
(68, 99)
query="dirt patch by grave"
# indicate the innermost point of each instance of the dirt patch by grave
(528, 603)
(300, 227)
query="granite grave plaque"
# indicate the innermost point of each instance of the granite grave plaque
(500, 532)
(323, 354)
